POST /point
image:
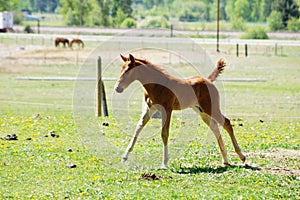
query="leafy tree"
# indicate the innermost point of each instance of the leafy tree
(213, 8)
(49, 6)
(95, 14)
(120, 10)
(249, 10)
(8, 5)
(123, 5)
(275, 21)
(288, 9)
(237, 23)
(150, 3)
(223, 14)
(119, 18)
(255, 10)
(207, 9)
(293, 24)
(265, 9)
(189, 10)
(242, 9)
(167, 4)
(52, 5)
(229, 8)
(76, 12)
(104, 12)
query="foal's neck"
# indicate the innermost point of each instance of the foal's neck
(153, 74)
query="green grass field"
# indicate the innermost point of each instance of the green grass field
(61, 154)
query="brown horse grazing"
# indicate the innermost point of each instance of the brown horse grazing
(62, 40)
(165, 93)
(78, 41)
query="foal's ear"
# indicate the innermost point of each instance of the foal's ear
(132, 59)
(124, 58)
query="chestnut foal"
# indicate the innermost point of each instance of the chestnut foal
(165, 93)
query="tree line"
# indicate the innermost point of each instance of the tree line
(126, 13)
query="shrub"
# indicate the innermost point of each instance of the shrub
(255, 33)
(28, 29)
(154, 22)
(128, 23)
(275, 21)
(293, 24)
(18, 17)
(237, 23)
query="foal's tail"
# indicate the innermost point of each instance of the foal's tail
(218, 70)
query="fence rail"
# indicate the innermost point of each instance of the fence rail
(254, 47)
(40, 39)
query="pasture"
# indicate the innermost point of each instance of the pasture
(63, 151)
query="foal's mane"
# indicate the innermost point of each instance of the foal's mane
(147, 63)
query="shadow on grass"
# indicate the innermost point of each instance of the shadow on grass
(217, 170)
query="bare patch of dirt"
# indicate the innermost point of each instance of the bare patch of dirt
(54, 55)
(277, 161)
(153, 177)
(16, 58)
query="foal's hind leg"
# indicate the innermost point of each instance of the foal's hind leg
(215, 129)
(225, 122)
(166, 117)
(146, 115)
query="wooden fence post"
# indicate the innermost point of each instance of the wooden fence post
(98, 89)
(101, 103)
(237, 50)
(104, 103)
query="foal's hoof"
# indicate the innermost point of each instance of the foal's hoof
(163, 166)
(243, 158)
(124, 159)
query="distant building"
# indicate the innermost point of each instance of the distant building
(6, 21)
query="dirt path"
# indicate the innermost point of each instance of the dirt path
(278, 161)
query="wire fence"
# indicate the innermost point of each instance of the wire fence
(254, 47)
(162, 51)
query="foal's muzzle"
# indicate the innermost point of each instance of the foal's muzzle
(119, 89)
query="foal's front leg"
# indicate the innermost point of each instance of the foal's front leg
(146, 115)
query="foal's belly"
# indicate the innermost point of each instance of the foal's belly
(184, 102)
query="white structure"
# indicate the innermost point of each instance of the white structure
(6, 20)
